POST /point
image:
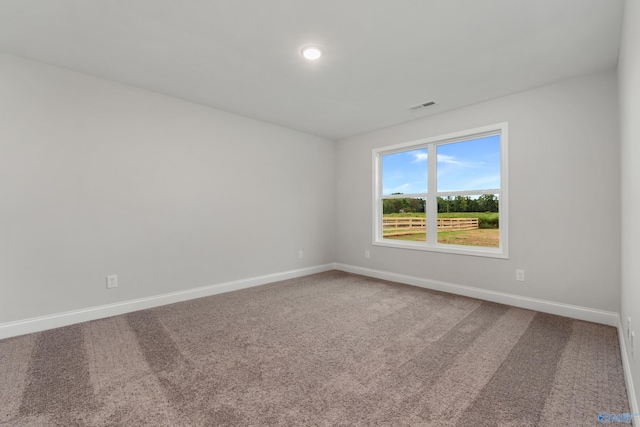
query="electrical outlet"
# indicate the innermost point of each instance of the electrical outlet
(520, 275)
(300, 254)
(629, 328)
(367, 254)
(112, 281)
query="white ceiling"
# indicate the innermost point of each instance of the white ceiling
(381, 56)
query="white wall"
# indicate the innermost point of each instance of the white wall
(629, 79)
(564, 196)
(98, 178)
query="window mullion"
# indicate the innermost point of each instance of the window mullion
(432, 200)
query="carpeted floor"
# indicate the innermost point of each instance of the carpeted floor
(332, 349)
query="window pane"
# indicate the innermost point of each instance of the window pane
(469, 220)
(404, 172)
(404, 219)
(469, 165)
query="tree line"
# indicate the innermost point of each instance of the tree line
(483, 203)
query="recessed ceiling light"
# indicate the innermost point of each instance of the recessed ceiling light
(311, 52)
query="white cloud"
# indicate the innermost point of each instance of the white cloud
(483, 182)
(450, 160)
(443, 158)
(406, 188)
(401, 188)
(421, 156)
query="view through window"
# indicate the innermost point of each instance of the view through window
(446, 194)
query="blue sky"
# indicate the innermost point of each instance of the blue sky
(467, 165)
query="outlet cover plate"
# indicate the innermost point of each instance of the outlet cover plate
(112, 281)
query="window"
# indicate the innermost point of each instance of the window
(444, 194)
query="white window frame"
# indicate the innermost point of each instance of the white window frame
(431, 196)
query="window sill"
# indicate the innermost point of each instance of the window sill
(442, 248)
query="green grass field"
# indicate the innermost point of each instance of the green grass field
(488, 235)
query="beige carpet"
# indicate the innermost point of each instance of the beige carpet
(332, 349)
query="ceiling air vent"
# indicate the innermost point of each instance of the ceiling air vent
(421, 106)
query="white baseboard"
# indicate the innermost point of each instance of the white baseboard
(576, 312)
(37, 324)
(626, 367)
(567, 310)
